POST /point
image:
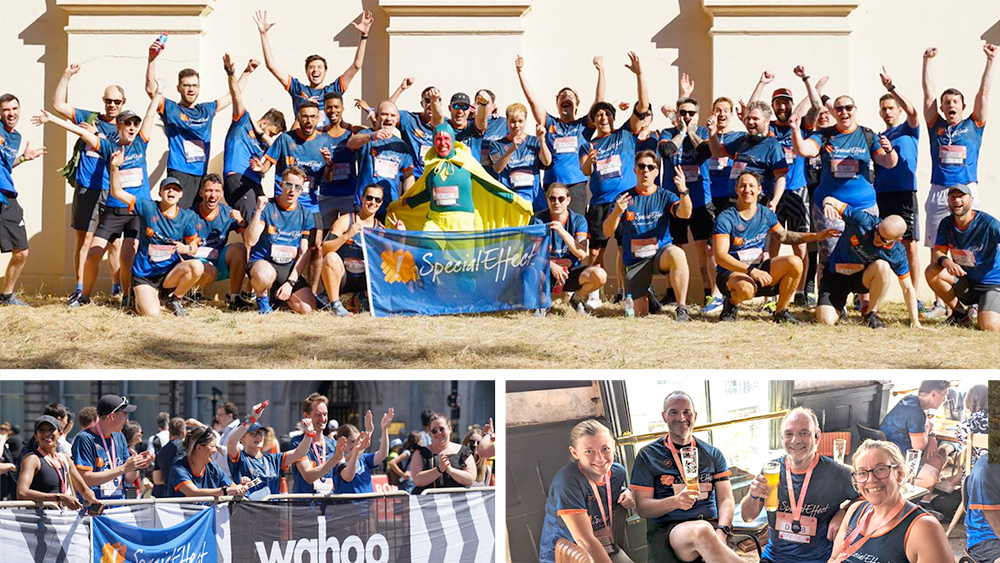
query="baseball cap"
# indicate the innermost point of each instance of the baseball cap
(113, 403)
(47, 419)
(461, 98)
(782, 93)
(126, 116)
(167, 182)
(964, 188)
(254, 427)
(395, 442)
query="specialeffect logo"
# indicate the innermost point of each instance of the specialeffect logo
(352, 550)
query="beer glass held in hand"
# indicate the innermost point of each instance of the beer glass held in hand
(689, 458)
(772, 473)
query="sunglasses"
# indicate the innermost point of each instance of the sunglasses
(437, 430)
(123, 404)
(376, 199)
(642, 166)
(291, 186)
(460, 107)
(473, 444)
(558, 198)
(848, 108)
(115, 102)
(687, 113)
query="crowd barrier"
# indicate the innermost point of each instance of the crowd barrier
(446, 525)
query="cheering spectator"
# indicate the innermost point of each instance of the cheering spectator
(483, 470)
(443, 463)
(50, 476)
(354, 474)
(195, 474)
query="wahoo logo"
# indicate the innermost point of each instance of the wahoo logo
(352, 549)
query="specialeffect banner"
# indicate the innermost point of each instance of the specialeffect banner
(430, 273)
(190, 541)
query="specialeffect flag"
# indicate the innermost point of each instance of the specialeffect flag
(191, 541)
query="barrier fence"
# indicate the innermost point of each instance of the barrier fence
(444, 526)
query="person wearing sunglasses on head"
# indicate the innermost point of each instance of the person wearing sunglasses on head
(443, 463)
(886, 526)
(862, 261)
(343, 258)
(90, 179)
(101, 452)
(568, 250)
(278, 238)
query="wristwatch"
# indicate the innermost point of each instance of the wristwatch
(684, 193)
(225, 490)
(727, 529)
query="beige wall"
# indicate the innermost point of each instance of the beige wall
(849, 40)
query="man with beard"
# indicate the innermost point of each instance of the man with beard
(221, 261)
(965, 264)
(719, 167)
(811, 492)
(384, 159)
(683, 525)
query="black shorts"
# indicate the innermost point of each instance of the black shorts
(155, 281)
(579, 197)
(701, 223)
(241, 194)
(719, 204)
(87, 208)
(834, 288)
(192, 188)
(13, 235)
(905, 205)
(722, 278)
(658, 543)
(283, 271)
(573, 281)
(353, 284)
(792, 212)
(986, 551)
(986, 296)
(596, 215)
(639, 276)
(115, 222)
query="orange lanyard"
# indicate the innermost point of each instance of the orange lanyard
(797, 506)
(847, 549)
(607, 484)
(59, 470)
(677, 458)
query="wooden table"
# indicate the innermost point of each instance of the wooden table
(944, 429)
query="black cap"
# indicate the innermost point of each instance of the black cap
(113, 403)
(167, 182)
(47, 419)
(126, 116)
(461, 98)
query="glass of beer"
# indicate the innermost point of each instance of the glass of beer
(772, 473)
(839, 450)
(689, 458)
(913, 464)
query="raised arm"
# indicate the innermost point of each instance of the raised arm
(263, 26)
(766, 78)
(802, 146)
(149, 119)
(927, 82)
(227, 98)
(115, 178)
(234, 88)
(383, 448)
(60, 101)
(599, 90)
(88, 137)
(544, 154)
(351, 465)
(438, 113)
(154, 51)
(256, 226)
(403, 86)
(814, 96)
(912, 117)
(714, 141)
(536, 107)
(483, 112)
(359, 56)
(980, 109)
(611, 223)
(303, 448)
(643, 105)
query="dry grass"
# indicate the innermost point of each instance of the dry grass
(51, 336)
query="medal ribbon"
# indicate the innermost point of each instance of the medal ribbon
(797, 505)
(677, 457)
(847, 549)
(607, 485)
(59, 470)
(110, 451)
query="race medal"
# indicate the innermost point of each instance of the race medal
(796, 527)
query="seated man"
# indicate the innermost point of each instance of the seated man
(278, 237)
(683, 525)
(158, 268)
(861, 262)
(818, 484)
(744, 272)
(569, 249)
(221, 261)
(908, 426)
(982, 511)
(343, 256)
(644, 213)
(965, 262)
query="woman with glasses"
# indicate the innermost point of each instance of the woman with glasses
(50, 476)
(195, 474)
(886, 526)
(343, 258)
(443, 463)
(253, 462)
(483, 469)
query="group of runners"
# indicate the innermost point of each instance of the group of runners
(806, 175)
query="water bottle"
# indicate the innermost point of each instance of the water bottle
(159, 44)
(629, 306)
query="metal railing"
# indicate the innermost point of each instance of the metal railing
(449, 490)
(632, 439)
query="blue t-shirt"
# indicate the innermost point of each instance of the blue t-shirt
(765, 157)
(795, 178)
(747, 238)
(132, 172)
(300, 485)
(614, 170)
(189, 135)
(829, 486)
(976, 249)
(242, 144)
(575, 225)
(846, 159)
(291, 149)
(157, 235)
(362, 482)
(344, 162)
(645, 224)
(91, 172)
(856, 249)
(301, 92)
(10, 143)
(90, 454)
(211, 478)
(419, 135)
(571, 493)
(215, 232)
(955, 151)
(496, 129)
(656, 471)
(523, 173)
(472, 138)
(719, 168)
(903, 176)
(385, 162)
(284, 229)
(564, 140)
(164, 461)
(694, 161)
(267, 467)
(906, 420)
(982, 493)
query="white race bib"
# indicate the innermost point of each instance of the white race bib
(962, 257)
(844, 168)
(207, 252)
(445, 196)
(341, 171)
(354, 266)
(610, 167)
(161, 252)
(807, 527)
(130, 177)
(750, 255)
(718, 163)
(323, 486)
(522, 179)
(644, 247)
(736, 170)
(385, 168)
(92, 154)
(565, 144)
(789, 155)
(194, 150)
(283, 254)
(111, 487)
(848, 269)
(951, 154)
(692, 172)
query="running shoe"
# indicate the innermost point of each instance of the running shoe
(934, 312)
(682, 315)
(594, 299)
(174, 306)
(873, 320)
(783, 316)
(239, 302)
(13, 301)
(338, 309)
(655, 307)
(959, 318)
(579, 305)
(264, 305)
(712, 304)
(729, 312)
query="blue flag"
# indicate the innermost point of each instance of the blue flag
(441, 273)
(191, 541)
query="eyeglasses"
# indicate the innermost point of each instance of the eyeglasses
(373, 198)
(437, 430)
(115, 102)
(460, 107)
(880, 472)
(558, 198)
(847, 108)
(687, 113)
(642, 166)
(291, 186)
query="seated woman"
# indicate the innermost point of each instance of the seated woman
(354, 474)
(976, 419)
(50, 476)
(579, 507)
(400, 465)
(886, 526)
(343, 258)
(252, 462)
(195, 474)
(443, 463)
(483, 468)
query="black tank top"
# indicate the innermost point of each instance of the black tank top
(890, 546)
(47, 479)
(444, 480)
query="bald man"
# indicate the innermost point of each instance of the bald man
(386, 160)
(865, 256)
